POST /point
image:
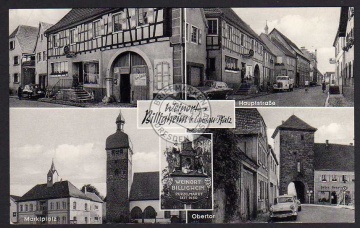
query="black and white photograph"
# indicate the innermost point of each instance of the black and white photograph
(285, 165)
(81, 166)
(221, 115)
(272, 56)
(93, 57)
(186, 172)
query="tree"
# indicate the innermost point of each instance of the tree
(90, 188)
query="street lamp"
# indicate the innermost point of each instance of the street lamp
(309, 192)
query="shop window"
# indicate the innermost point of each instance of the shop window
(119, 22)
(91, 72)
(97, 28)
(12, 45)
(212, 26)
(231, 63)
(194, 34)
(16, 60)
(59, 69)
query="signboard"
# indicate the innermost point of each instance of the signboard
(139, 79)
(189, 189)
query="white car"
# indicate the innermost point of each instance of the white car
(283, 83)
(284, 206)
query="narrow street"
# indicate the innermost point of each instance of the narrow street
(314, 97)
(322, 214)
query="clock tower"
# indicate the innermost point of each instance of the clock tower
(50, 175)
(118, 174)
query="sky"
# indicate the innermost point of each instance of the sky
(312, 28)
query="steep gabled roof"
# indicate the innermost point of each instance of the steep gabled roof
(248, 121)
(145, 186)
(282, 48)
(26, 35)
(94, 197)
(334, 157)
(44, 27)
(61, 189)
(294, 123)
(342, 23)
(290, 43)
(77, 16)
(230, 15)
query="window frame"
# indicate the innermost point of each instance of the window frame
(217, 26)
(95, 35)
(197, 35)
(15, 64)
(72, 34)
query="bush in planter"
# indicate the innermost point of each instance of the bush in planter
(334, 90)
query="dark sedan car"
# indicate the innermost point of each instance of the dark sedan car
(214, 90)
(32, 91)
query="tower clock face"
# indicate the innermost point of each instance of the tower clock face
(49, 178)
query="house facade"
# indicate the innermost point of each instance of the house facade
(252, 143)
(13, 209)
(334, 179)
(273, 176)
(235, 52)
(302, 64)
(58, 203)
(196, 30)
(21, 57)
(284, 62)
(344, 52)
(40, 51)
(127, 53)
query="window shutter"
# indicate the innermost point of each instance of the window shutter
(110, 25)
(200, 36)
(90, 32)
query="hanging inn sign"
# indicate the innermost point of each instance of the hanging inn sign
(189, 180)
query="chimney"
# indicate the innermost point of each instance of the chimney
(85, 191)
(327, 143)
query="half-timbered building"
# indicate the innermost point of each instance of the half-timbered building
(235, 51)
(129, 54)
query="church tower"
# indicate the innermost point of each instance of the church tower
(294, 143)
(118, 174)
(266, 29)
(50, 175)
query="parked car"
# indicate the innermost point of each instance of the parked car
(284, 206)
(298, 203)
(33, 91)
(212, 90)
(283, 83)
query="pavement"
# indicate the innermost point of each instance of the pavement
(338, 100)
(314, 213)
(314, 97)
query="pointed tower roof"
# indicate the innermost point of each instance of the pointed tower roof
(294, 123)
(52, 169)
(120, 118)
(266, 28)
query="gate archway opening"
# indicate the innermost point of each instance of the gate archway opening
(297, 188)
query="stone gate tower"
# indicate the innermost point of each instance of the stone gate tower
(294, 143)
(118, 174)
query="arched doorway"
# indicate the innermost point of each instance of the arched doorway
(136, 213)
(130, 77)
(257, 75)
(334, 198)
(150, 213)
(297, 188)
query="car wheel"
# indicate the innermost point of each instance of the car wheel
(294, 217)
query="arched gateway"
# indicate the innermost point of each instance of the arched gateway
(294, 141)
